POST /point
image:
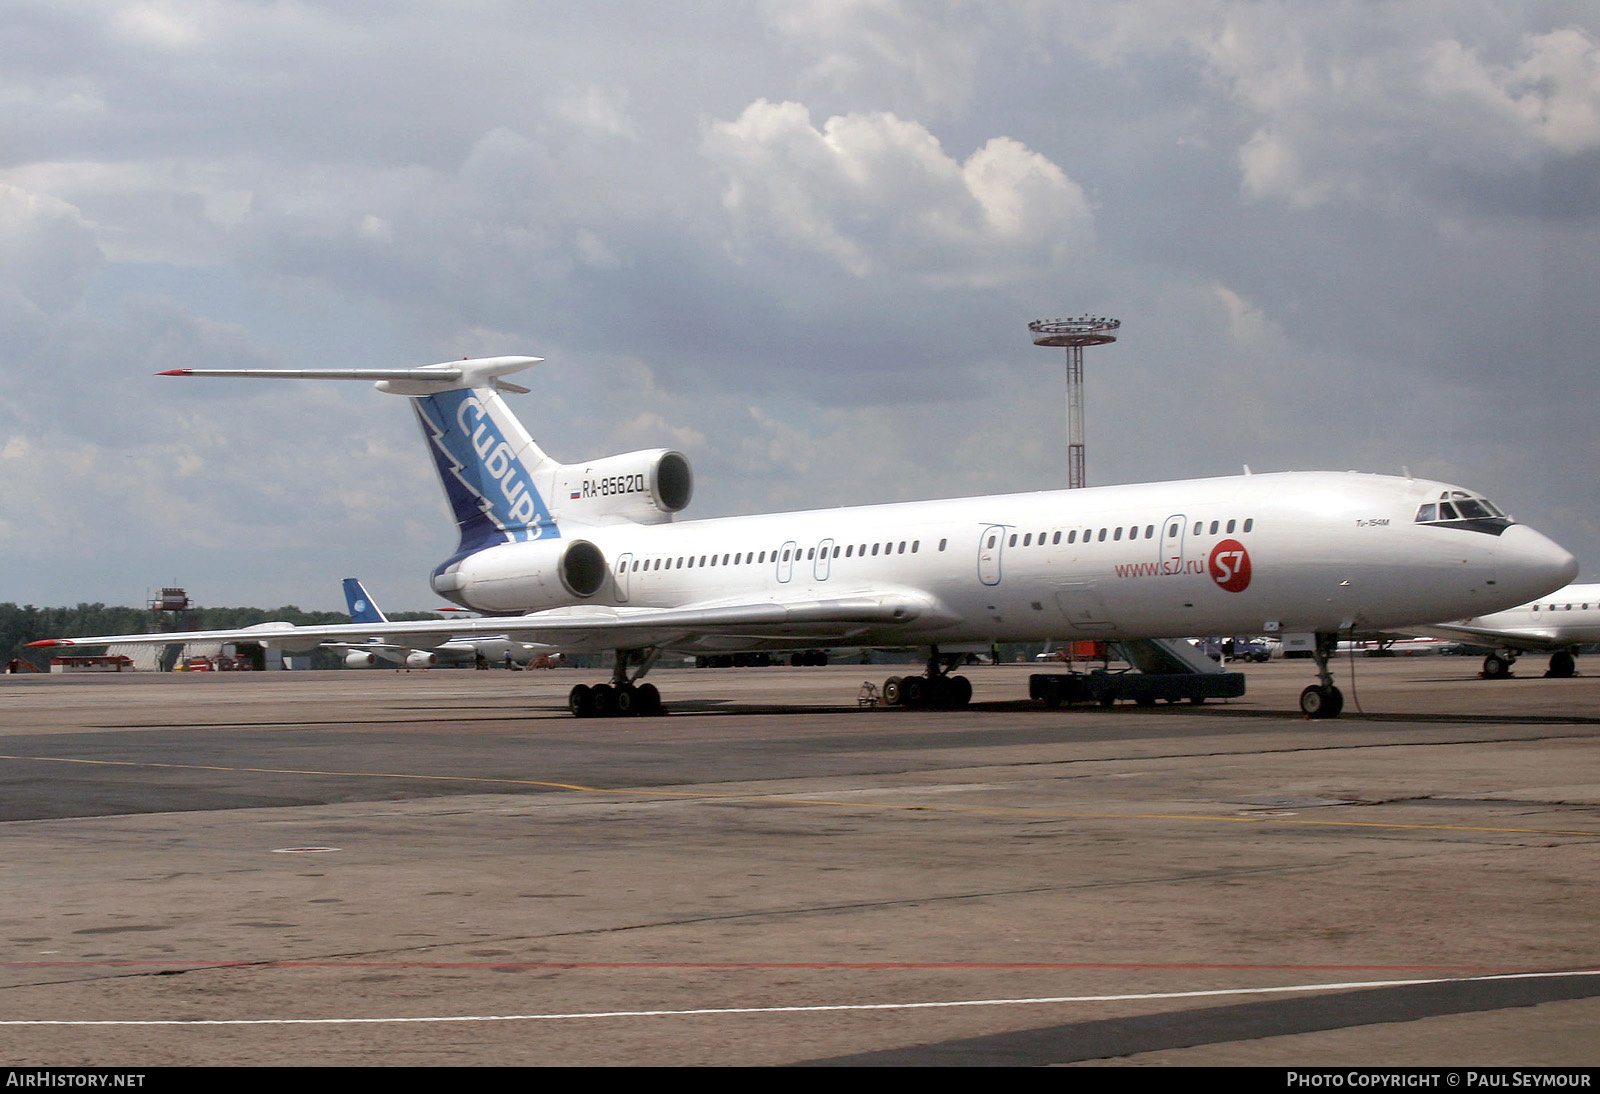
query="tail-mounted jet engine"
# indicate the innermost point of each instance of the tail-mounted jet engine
(524, 577)
(648, 487)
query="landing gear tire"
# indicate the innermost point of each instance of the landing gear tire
(913, 692)
(1496, 667)
(604, 697)
(639, 701)
(892, 691)
(1321, 701)
(1562, 665)
(580, 701)
(1052, 696)
(960, 691)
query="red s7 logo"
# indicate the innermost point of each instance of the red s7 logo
(1230, 566)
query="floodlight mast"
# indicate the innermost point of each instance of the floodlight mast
(1072, 335)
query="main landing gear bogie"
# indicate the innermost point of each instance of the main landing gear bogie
(624, 696)
(927, 692)
(935, 690)
(610, 701)
(1497, 665)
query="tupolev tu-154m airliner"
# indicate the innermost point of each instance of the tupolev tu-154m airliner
(591, 557)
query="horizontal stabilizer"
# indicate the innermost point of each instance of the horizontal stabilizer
(434, 373)
(476, 372)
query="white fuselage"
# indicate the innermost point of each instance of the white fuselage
(1299, 551)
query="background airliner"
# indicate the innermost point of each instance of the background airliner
(364, 655)
(590, 556)
(1558, 623)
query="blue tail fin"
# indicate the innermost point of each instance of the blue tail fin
(491, 469)
(362, 609)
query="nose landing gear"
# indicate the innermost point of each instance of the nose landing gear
(1322, 699)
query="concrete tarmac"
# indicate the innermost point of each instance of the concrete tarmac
(445, 868)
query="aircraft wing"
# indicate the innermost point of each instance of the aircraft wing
(589, 627)
(1547, 641)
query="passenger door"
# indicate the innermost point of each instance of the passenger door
(824, 553)
(1172, 544)
(624, 564)
(991, 546)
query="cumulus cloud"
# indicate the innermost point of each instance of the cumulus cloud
(597, 110)
(913, 57)
(1546, 100)
(1420, 118)
(47, 250)
(877, 193)
(163, 211)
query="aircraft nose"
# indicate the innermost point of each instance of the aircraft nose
(1531, 564)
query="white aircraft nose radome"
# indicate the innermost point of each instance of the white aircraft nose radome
(1531, 564)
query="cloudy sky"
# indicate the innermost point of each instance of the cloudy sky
(799, 240)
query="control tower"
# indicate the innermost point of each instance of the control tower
(1072, 335)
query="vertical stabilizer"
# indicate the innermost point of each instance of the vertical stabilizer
(494, 475)
(362, 609)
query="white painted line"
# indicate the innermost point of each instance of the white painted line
(303, 850)
(817, 1009)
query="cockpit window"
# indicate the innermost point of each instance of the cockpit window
(1459, 509)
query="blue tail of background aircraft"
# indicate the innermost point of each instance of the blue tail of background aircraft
(362, 609)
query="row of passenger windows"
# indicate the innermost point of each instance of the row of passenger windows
(865, 550)
(786, 554)
(1116, 534)
(1563, 607)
